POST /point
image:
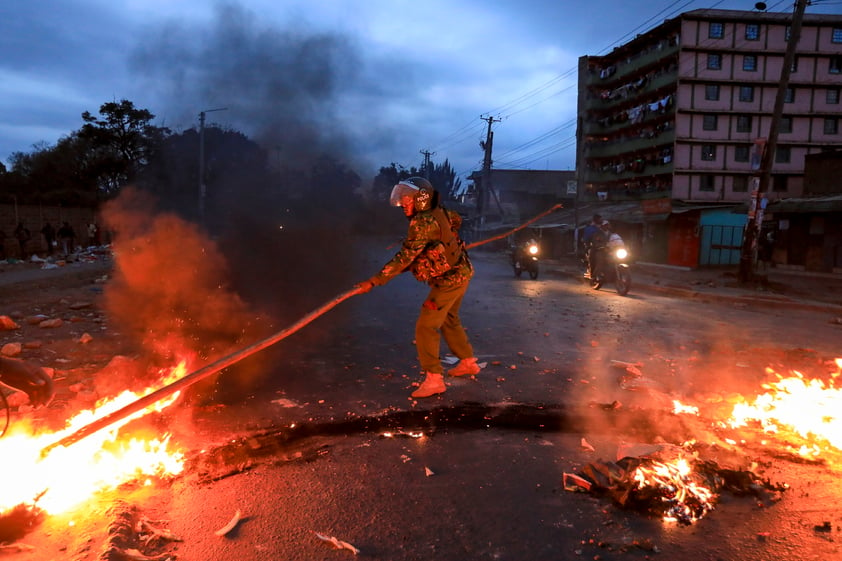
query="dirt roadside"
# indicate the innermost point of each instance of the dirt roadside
(58, 322)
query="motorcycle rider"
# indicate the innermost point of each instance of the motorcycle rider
(593, 237)
(520, 253)
(614, 239)
(436, 256)
(603, 241)
(28, 378)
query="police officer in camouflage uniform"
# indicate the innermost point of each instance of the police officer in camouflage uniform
(436, 256)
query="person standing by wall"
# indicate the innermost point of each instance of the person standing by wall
(66, 236)
(23, 235)
(49, 234)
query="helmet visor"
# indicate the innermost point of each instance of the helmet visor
(401, 191)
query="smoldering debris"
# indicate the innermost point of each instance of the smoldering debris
(670, 483)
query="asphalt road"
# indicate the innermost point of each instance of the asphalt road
(301, 448)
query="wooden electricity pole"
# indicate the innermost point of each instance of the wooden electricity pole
(748, 255)
(486, 169)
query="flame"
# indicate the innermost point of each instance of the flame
(67, 476)
(679, 408)
(810, 408)
(684, 496)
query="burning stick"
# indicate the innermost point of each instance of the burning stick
(513, 230)
(230, 359)
(196, 375)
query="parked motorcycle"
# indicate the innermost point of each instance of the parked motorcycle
(525, 258)
(612, 266)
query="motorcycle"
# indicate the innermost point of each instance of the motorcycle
(613, 266)
(525, 258)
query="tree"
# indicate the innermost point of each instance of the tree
(122, 142)
(443, 178)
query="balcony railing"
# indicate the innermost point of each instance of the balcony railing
(597, 176)
(663, 140)
(629, 68)
(656, 83)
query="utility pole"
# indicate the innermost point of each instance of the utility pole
(202, 187)
(748, 255)
(486, 168)
(427, 155)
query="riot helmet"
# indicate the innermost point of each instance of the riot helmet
(418, 190)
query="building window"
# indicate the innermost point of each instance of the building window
(785, 125)
(743, 123)
(740, 184)
(794, 66)
(708, 152)
(706, 183)
(779, 183)
(750, 63)
(835, 66)
(741, 152)
(787, 33)
(709, 122)
(789, 95)
(746, 93)
(716, 30)
(831, 125)
(836, 37)
(782, 155)
(832, 96)
(752, 32)
(714, 61)
(712, 92)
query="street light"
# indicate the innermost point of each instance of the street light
(202, 187)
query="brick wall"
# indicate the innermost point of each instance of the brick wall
(35, 216)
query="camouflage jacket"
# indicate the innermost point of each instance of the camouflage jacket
(424, 232)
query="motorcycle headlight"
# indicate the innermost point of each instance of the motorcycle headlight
(533, 250)
(621, 253)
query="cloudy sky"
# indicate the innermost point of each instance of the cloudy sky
(378, 80)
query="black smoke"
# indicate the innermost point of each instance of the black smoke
(285, 220)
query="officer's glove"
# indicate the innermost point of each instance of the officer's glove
(28, 378)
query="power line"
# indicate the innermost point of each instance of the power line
(472, 129)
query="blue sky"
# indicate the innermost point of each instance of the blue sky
(377, 81)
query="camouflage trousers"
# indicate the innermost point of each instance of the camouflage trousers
(439, 318)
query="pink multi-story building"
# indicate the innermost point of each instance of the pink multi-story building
(677, 118)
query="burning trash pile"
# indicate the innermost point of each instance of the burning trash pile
(670, 483)
(796, 417)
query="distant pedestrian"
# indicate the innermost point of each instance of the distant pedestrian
(23, 235)
(93, 234)
(66, 235)
(765, 248)
(49, 234)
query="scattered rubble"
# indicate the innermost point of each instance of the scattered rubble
(11, 349)
(337, 543)
(230, 525)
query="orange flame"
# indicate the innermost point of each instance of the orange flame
(66, 477)
(811, 409)
(682, 491)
